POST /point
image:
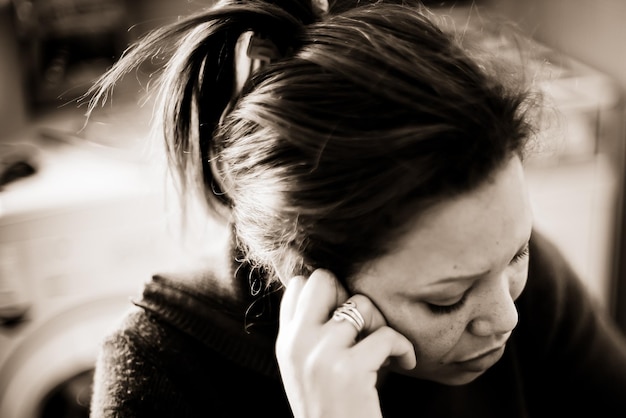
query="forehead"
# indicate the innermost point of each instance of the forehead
(465, 234)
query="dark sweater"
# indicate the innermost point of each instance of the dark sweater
(195, 345)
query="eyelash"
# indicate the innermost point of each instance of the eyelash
(447, 309)
(522, 255)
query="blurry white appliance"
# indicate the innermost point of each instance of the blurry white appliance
(77, 240)
(576, 170)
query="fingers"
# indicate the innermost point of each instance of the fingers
(290, 298)
(374, 319)
(382, 344)
(313, 301)
(318, 298)
(344, 332)
(326, 369)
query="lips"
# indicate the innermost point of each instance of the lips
(481, 362)
(485, 353)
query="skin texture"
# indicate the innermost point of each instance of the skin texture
(470, 251)
(472, 248)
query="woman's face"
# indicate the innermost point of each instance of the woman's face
(450, 283)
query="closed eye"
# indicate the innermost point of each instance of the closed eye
(446, 309)
(521, 255)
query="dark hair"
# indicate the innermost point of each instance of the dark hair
(374, 113)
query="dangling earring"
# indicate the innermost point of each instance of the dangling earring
(255, 281)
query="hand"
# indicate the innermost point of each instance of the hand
(328, 369)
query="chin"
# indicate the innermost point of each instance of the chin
(458, 379)
(448, 379)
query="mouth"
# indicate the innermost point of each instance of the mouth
(481, 362)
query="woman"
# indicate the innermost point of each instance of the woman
(383, 259)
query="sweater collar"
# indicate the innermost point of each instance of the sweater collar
(233, 313)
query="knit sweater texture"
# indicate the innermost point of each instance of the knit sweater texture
(197, 344)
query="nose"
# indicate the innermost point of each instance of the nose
(496, 314)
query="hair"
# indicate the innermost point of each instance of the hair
(374, 113)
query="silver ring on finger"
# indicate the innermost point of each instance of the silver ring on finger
(348, 312)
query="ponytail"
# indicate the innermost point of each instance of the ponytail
(371, 116)
(197, 82)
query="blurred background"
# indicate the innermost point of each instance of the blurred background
(87, 213)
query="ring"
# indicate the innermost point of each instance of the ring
(348, 311)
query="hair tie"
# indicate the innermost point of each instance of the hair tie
(320, 7)
(252, 52)
(255, 50)
(262, 49)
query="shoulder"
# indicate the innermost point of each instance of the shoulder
(555, 298)
(551, 279)
(132, 376)
(565, 339)
(181, 347)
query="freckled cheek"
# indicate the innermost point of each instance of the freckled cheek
(432, 336)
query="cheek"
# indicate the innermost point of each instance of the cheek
(433, 336)
(517, 282)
